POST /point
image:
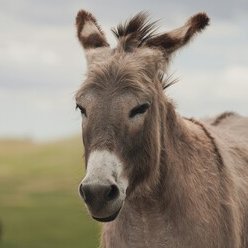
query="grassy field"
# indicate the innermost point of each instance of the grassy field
(39, 203)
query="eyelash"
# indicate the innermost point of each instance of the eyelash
(140, 109)
(82, 109)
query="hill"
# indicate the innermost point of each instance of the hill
(39, 203)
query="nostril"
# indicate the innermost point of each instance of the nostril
(112, 193)
(86, 193)
(81, 191)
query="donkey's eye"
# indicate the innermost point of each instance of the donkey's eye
(140, 109)
(82, 109)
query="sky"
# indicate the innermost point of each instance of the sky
(42, 63)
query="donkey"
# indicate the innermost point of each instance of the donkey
(155, 178)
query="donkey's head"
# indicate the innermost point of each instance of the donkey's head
(122, 104)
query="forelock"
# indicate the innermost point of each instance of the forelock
(122, 71)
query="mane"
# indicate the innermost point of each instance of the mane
(134, 32)
(221, 117)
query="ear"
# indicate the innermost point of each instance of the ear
(179, 37)
(89, 32)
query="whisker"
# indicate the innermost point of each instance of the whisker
(169, 81)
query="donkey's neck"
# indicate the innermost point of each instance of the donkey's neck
(187, 156)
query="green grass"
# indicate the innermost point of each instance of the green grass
(39, 203)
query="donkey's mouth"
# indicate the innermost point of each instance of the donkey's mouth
(109, 218)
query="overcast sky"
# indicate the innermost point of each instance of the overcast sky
(42, 63)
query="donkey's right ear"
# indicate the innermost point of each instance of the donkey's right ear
(89, 32)
(179, 37)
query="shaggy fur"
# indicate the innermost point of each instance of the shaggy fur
(188, 179)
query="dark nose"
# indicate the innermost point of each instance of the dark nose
(97, 194)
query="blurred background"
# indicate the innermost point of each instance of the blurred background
(41, 67)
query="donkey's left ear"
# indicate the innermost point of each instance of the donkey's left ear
(179, 37)
(89, 32)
